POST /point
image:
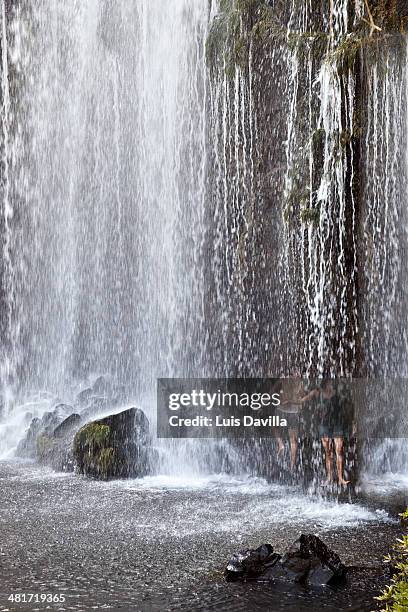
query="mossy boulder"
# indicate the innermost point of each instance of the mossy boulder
(116, 446)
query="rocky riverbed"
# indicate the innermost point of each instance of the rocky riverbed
(161, 542)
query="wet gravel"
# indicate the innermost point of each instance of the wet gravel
(161, 543)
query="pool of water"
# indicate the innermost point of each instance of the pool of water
(161, 542)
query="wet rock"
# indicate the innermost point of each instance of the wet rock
(310, 560)
(101, 386)
(84, 396)
(62, 410)
(49, 439)
(116, 446)
(50, 420)
(27, 447)
(55, 452)
(54, 449)
(250, 564)
(70, 423)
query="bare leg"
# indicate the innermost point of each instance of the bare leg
(281, 446)
(327, 445)
(339, 444)
(293, 440)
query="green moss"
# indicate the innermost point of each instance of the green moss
(243, 22)
(308, 43)
(345, 138)
(216, 40)
(310, 215)
(233, 30)
(93, 436)
(368, 39)
(93, 451)
(106, 460)
(345, 54)
(395, 596)
(266, 27)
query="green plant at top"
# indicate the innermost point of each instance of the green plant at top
(310, 215)
(232, 31)
(395, 596)
(240, 23)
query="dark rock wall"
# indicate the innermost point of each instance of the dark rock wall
(302, 85)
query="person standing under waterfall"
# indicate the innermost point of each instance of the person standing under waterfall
(333, 427)
(292, 389)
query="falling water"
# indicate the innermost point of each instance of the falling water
(385, 280)
(110, 181)
(195, 188)
(297, 80)
(103, 263)
(385, 216)
(7, 294)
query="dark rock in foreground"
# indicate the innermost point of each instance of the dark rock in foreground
(307, 561)
(116, 446)
(250, 564)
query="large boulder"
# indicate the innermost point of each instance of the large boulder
(116, 446)
(308, 560)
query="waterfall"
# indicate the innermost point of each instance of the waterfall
(107, 132)
(233, 206)
(385, 185)
(385, 279)
(7, 294)
(329, 133)
(199, 189)
(110, 179)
